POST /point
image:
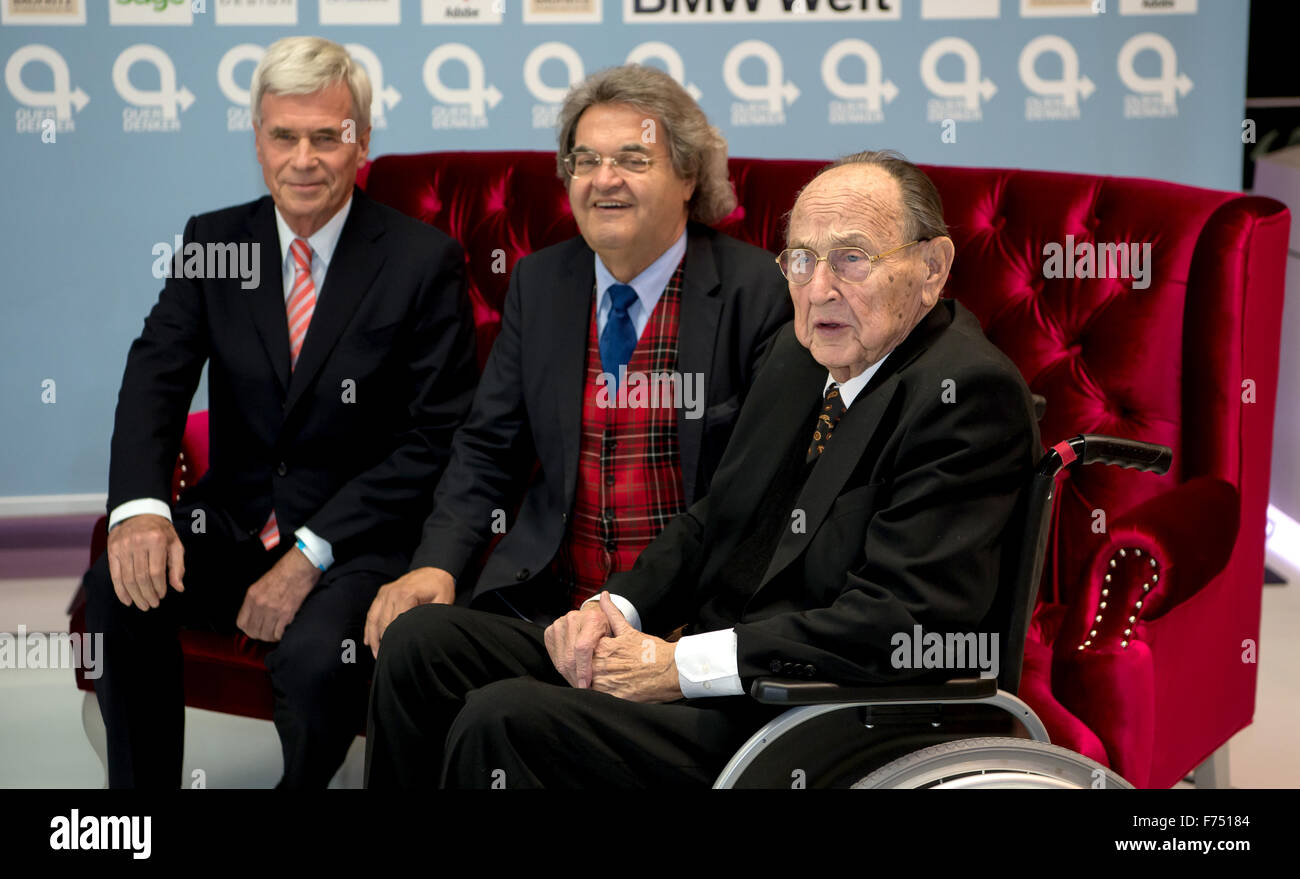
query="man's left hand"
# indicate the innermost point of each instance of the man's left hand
(271, 602)
(632, 665)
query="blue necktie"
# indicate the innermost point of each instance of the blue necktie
(618, 339)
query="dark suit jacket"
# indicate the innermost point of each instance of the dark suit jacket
(391, 316)
(529, 404)
(905, 510)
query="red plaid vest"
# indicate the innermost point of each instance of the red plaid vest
(629, 465)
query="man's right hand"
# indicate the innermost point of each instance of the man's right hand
(421, 586)
(144, 555)
(571, 641)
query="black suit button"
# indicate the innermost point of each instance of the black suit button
(775, 666)
(281, 469)
(809, 670)
(788, 668)
(564, 517)
(522, 574)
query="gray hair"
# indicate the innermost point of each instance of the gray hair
(697, 149)
(922, 206)
(303, 65)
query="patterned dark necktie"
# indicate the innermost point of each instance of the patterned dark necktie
(618, 340)
(833, 409)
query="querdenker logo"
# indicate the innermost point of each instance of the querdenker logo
(152, 109)
(59, 103)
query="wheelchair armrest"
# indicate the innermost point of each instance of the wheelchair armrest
(787, 691)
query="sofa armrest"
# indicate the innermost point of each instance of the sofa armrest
(1157, 556)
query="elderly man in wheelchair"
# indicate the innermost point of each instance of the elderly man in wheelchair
(868, 552)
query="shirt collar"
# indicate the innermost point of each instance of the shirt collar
(650, 284)
(850, 389)
(322, 242)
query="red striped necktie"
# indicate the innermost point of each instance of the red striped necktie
(299, 309)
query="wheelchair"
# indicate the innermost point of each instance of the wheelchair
(963, 733)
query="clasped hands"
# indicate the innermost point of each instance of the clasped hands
(596, 647)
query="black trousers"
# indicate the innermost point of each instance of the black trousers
(319, 683)
(467, 699)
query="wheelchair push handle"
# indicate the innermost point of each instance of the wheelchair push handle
(1093, 448)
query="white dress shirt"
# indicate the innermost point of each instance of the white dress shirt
(706, 663)
(318, 550)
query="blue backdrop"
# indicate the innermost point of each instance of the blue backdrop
(131, 115)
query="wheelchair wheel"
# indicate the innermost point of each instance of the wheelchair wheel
(993, 763)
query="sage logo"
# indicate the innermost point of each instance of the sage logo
(955, 651)
(156, 110)
(175, 12)
(860, 101)
(239, 116)
(383, 96)
(761, 103)
(1053, 98)
(672, 62)
(550, 97)
(1151, 96)
(58, 104)
(959, 99)
(461, 107)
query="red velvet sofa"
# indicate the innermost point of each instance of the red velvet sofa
(1137, 651)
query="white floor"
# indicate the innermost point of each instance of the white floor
(42, 742)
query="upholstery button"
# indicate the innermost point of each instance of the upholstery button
(522, 574)
(281, 469)
(775, 664)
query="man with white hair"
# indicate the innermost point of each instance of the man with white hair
(335, 384)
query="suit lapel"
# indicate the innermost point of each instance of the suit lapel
(352, 270)
(570, 320)
(852, 436)
(776, 415)
(697, 331)
(266, 303)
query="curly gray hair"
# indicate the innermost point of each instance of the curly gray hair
(697, 149)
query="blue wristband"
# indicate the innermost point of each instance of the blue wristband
(302, 547)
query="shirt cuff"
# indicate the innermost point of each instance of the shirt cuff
(318, 551)
(624, 606)
(139, 508)
(707, 666)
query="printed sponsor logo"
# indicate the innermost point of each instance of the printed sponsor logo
(1151, 96)
(732, 11)
(459, 107)
(58, 104)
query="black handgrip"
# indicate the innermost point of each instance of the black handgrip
(1134, 454)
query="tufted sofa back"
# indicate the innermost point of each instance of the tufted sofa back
(1189, 361)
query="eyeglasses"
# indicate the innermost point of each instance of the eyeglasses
(585, 162)
(850, 264)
